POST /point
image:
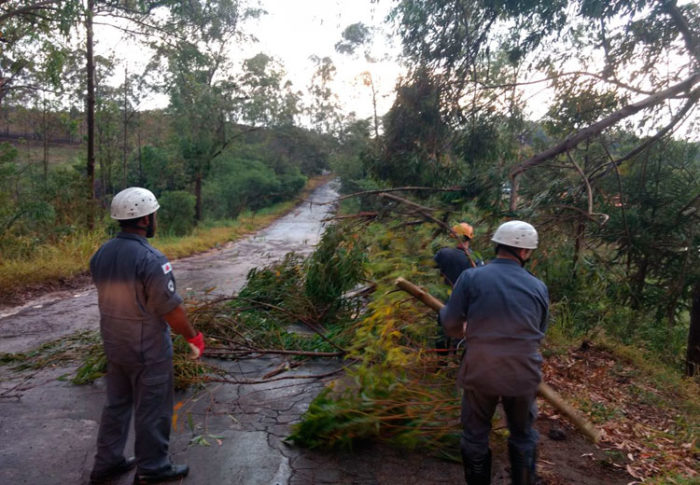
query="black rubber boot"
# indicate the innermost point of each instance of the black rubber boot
(477, 472)
(168, 474)
(522, 466)
(113, 472)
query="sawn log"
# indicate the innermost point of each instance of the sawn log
(544, 390)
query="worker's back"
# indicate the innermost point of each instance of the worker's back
(506, 311)
(135, 288)
(452, 261)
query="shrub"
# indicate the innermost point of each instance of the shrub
(335, 267)
(176, 214)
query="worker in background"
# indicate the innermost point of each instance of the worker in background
(139, 306)
(501, 310)
(451, 262)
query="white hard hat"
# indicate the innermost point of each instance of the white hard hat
(517, 234)
(132, 203)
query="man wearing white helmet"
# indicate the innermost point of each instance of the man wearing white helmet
(501, 310)
(138, 308)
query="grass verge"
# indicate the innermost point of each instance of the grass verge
(56, 265)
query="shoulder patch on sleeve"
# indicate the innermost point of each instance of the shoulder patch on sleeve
(167, 268)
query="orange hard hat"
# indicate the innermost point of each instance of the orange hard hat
(464, 229)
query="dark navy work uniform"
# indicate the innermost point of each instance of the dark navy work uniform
(452, 261)
(506, 310)
(135, 287)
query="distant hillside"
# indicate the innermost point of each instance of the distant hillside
(66, 132)
(64, 142)
(69, 127)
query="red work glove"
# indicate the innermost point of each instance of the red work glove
(197, 345)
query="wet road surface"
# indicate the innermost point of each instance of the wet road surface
(48, 427)
(219, 271)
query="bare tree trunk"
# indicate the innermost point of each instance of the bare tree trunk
(90, 108)
(198, 197)
(514, 187)
(692, 361)
(638, 283)
(138, 127)
(374, 107)
(126, 79)
(45, 130)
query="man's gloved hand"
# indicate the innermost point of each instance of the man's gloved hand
(197, 345)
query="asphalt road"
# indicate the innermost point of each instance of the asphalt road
(228, 434)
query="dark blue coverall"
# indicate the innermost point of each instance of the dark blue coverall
(452, 261)
(506, 309)
(135, 287)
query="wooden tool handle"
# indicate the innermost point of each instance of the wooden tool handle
(544, 390)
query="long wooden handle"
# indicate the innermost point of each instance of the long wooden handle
(419, 293)
(544, 390)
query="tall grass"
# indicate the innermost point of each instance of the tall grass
(66, 259)
(69, 258)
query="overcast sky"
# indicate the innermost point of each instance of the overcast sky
(292, 32)
(295, 30)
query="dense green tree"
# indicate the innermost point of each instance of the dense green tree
(34, 43)
(200, 87)
(176, 215)
(654, 225)
(461, 40)
(355, 145)
(353, 37)
(288, 148)
(605, 66)
(238, 184)
(324, 108)
(200, 113)
(267, 99)
(158, 169)
(416, 148)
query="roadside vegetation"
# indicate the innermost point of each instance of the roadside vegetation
(396, 387)
(608, 172)
(399, 389)
(52, 265)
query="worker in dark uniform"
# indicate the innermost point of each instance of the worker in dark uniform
(501, 310)
(452, 261)
(138, 308)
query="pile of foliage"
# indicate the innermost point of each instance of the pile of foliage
(400, 390)
(263, 319)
